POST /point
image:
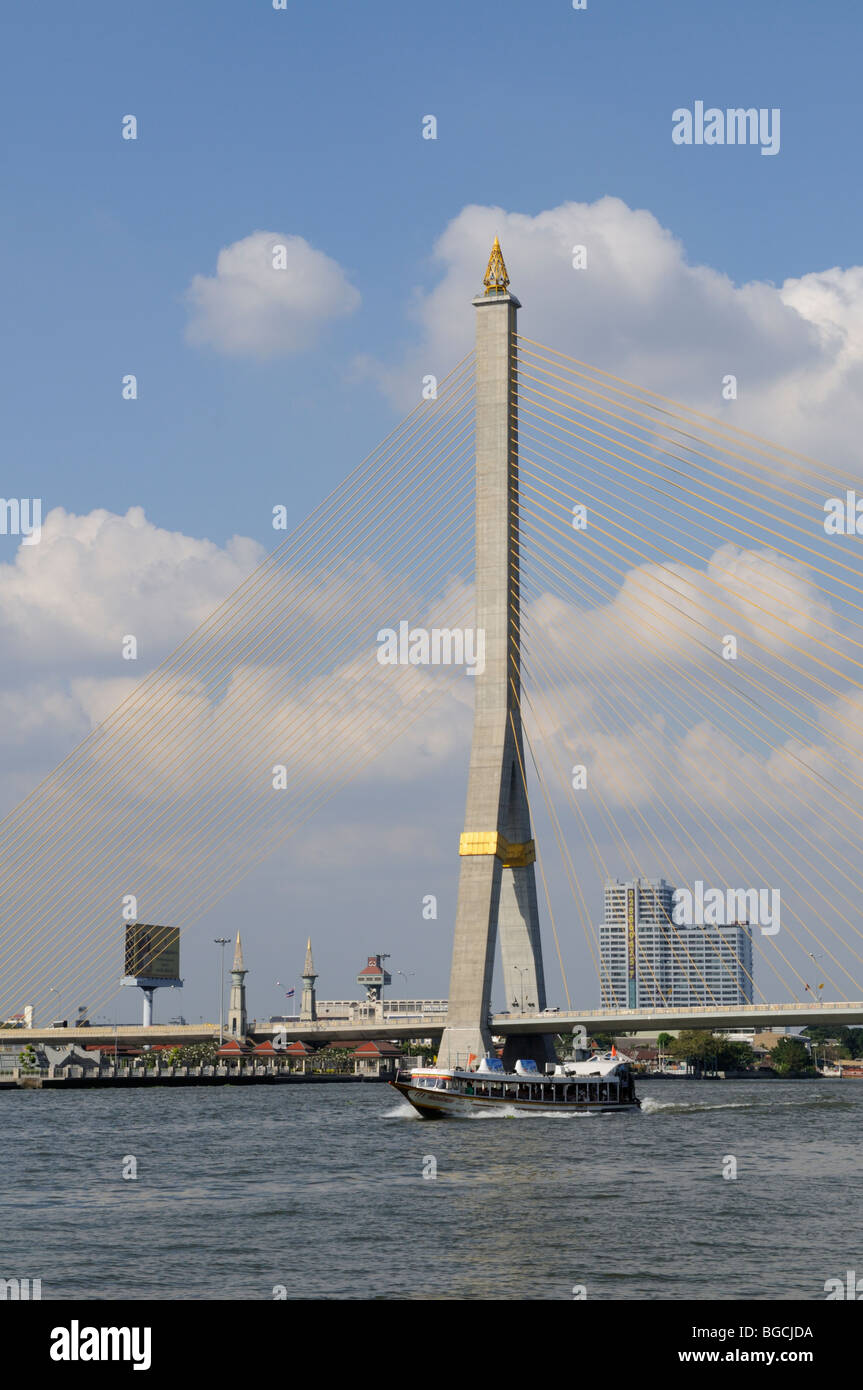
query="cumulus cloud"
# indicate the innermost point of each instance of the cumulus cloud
(94, 579)
(641, 310)
(67, 605)
(675, 613)
(271, 295)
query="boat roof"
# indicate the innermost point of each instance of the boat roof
(596, 1066)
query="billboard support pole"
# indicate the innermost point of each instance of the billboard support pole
(148, 991)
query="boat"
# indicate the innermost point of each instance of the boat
(600, 1083)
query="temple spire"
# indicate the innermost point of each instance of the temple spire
(308, 1002)
(496, 279)
(238, 956)
(309, 971)
(237, 1020)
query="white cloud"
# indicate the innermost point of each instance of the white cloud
(641, 311)
(69, 601)
(253, 307)
(677, 613)
(67, 604)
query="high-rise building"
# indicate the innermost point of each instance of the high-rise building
(647, 960)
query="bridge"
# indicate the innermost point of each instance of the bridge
(551, 1023)
(664, 642)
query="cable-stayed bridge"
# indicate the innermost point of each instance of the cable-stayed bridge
(711, 1017)
(670, 683)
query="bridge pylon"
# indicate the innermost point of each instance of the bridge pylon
(497, 885)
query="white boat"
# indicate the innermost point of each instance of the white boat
(601, 1083)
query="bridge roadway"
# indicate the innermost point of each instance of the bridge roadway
(432, 1025)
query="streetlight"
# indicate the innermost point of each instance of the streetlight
(223, 942)
(522, 970)
(52, 989)
(384, 956)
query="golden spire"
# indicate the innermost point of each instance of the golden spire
(496, 279)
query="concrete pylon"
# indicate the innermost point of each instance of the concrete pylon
(497, 887)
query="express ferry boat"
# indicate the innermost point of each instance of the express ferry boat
(598, 1084)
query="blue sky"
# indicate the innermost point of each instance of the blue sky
(308, 123)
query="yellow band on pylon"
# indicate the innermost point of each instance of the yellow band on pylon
(492, 842)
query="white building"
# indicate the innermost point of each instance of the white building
(647, 961)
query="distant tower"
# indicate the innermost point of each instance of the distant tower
(308, 1003)
(237, 1021)
(373, 976)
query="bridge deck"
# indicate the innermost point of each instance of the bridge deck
(593, 1020)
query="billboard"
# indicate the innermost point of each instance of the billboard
(152, 953)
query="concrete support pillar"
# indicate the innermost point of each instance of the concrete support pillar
(147, 1019)
(497, 890)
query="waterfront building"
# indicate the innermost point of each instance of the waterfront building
(374, 1007)
(648, 961)
(362, 1011)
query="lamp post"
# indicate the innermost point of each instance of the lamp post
(52, 989)
(221, 941)
(522, 970)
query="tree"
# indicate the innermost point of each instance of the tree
(848, 1039)
(199, 1054)
(791, 1055)
(705, 1051)
(694, 1046)
(664, 1040)
(736, 1056)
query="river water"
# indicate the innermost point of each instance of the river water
(320, 1190)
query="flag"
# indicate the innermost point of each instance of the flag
(289, 994)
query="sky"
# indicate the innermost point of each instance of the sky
(304, 127)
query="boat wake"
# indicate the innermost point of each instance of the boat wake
(651, 1106)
